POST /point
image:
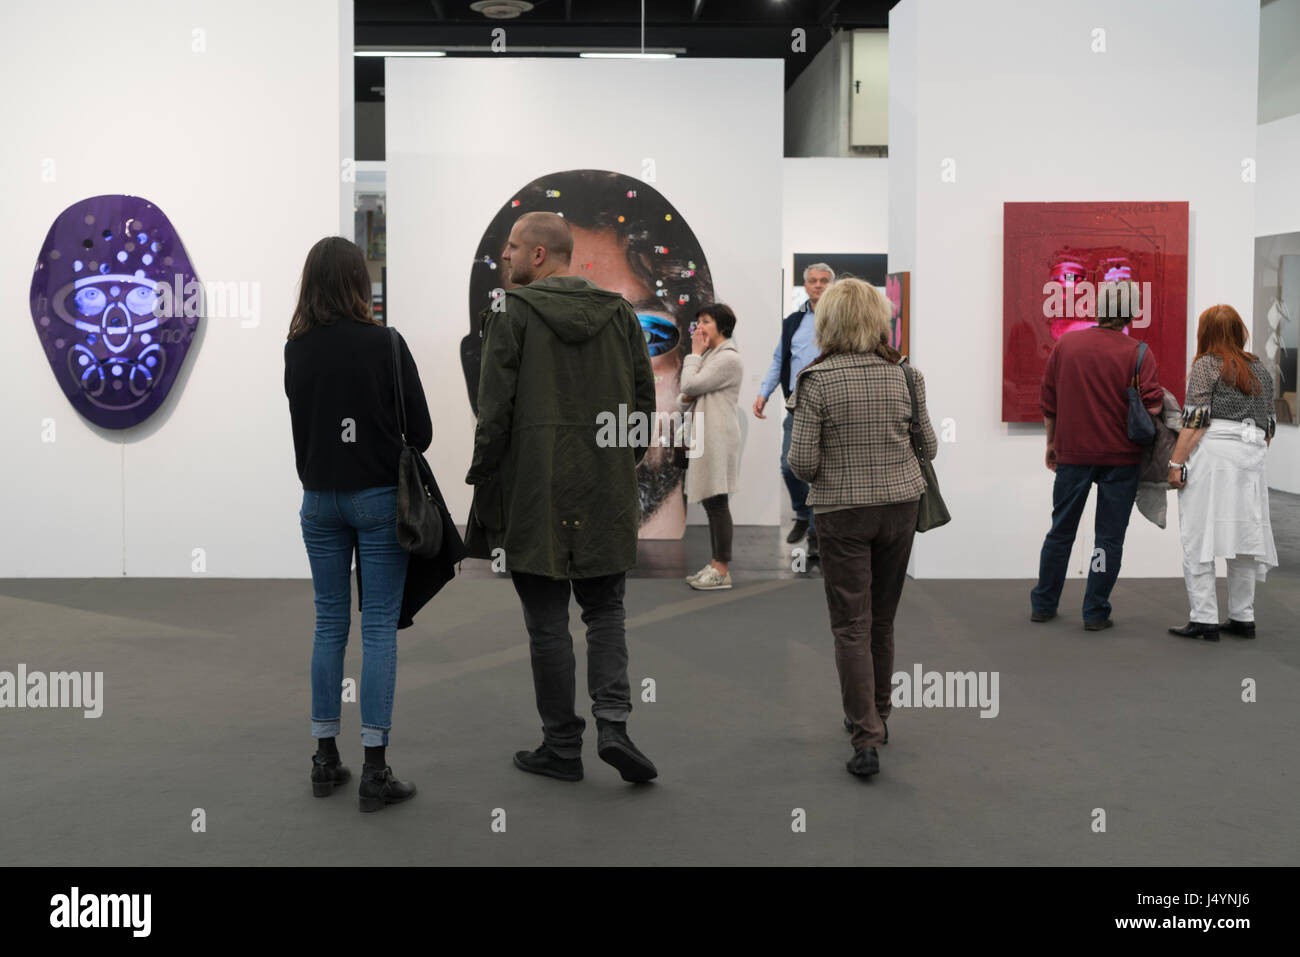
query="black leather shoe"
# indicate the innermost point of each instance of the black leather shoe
(1042, 615)
(379, 789)
(1098, 625)
(800, 529)
(547, 762)
(617, 750)
(1242, 629)
(327, 773)
(848, 726)
(1196, 629)
(865, 763)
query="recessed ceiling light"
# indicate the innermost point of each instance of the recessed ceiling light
(501, 9)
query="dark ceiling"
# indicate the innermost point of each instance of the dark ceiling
(703, 28)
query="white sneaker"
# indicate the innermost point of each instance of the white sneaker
(691, 578)
(711, 580)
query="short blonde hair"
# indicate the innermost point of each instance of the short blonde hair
(852, 316)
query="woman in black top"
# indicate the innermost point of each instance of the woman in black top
(338, 375)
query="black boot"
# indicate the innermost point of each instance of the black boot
(327, 773)
(616, 749)
(799, 531)
(379, 788)
(1196, 629)
(1242, 629)
(547, 762)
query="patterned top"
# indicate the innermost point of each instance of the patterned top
(1206, 392)
(851, 439)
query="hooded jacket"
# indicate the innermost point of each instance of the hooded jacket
(565, 379)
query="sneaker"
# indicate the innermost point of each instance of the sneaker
(691, 578)
(546, 762)
(864, 763)
(379, 789)
(617, 750)
(327, 773)
(710, 579)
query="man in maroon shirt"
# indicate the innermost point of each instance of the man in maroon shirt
(1084, 400)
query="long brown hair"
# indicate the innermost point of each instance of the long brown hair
(334, 285)
(1220, 332)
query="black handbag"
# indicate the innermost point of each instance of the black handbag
(419, 519)
(931, 512)
(1141, 430)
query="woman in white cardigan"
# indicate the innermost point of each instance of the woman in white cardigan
(710, 383)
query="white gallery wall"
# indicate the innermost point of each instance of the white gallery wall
(462, 135)
(1008, 101)
(226, 115)
(1277, 210)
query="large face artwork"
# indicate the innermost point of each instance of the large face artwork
(628, 239)
(116, 304)
(1055, 255)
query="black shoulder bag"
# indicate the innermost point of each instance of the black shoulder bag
(419, 520)
(931, 512)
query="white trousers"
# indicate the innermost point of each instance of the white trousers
(1241, 590)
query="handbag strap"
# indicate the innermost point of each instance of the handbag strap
(914, 429)
(1142, 351)
(398, 391)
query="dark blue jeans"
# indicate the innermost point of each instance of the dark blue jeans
(798, 490)
(333, 523)
(1116, 491)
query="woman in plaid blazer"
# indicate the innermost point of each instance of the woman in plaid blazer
(851, 443)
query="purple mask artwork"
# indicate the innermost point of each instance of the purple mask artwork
(116, 305)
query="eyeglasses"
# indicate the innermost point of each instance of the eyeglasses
(661, 335)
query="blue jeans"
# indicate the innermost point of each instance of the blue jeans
(798, 489)
(1116, 491)
(332, 524)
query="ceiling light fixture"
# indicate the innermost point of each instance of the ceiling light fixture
(501, 9)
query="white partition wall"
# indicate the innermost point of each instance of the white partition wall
(1278, 211)
(462, 136)
(226, 115)
(1047, 101)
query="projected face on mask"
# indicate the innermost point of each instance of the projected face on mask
(627, 239)
(116, 304)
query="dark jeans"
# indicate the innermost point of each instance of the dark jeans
(864, 564)
(546, 615)
(720, 527)
(798, 490)
(1116, 491)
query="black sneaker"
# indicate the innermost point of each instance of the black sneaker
(327, 773)
(616, 749)
(865, 763)
(800, 529)
(547, 762)
(379, 789)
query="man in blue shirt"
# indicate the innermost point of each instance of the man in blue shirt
(796, 348)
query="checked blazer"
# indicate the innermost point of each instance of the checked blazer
(850, 440)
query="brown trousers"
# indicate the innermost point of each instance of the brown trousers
(864, 554)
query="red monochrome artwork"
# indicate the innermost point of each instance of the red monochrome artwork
(1053, 257)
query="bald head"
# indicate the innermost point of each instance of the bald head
(540, 245)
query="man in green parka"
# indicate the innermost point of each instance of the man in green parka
(555, 484)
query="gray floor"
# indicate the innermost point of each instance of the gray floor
(207, 703)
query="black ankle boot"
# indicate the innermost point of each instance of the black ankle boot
(379, 788)
(327, 773)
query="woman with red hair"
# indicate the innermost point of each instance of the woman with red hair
(1218, 469)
